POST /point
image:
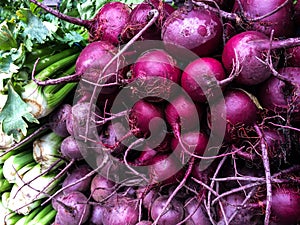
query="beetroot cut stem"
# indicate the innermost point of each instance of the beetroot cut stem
(266, 164)
(73, 20)
(155, 15)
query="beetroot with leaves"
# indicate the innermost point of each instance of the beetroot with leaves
(107, 25)
(198, 30)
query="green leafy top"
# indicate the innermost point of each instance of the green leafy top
(13, 115)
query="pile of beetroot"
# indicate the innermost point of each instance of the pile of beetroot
(202, 129)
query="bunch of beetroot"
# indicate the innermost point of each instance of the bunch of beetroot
(202, 128)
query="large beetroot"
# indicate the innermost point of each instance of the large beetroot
(281, 21)
(198, 30)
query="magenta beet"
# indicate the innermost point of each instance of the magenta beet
(199, 76)
(198, 30)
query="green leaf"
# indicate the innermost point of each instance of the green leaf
(10, 63)
(34, 29)
(7, 41)
(13, 115)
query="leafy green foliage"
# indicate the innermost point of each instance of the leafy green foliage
(34, 31)
(14, 114)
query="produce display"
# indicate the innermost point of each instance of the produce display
(150, 112)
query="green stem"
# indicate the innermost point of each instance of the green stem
(30, 216)
(50, 89)
(5, 198)
(42, 52)
(13, 219)
(48, 219)
(54, 67)
(5, 186)
(43, 215)
(49, 60)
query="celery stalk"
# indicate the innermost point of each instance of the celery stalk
(14, 163)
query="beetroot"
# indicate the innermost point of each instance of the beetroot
(239, 111)
(70, 149)
(293, 56)
(174, 213)
(244, 215)
(146, 156)
(139, 17)
(198, 30)
(146, 119)
(110, 137)
(154, 72)
(195, 142)
(74, 176)
(252, 70)
(164, 168)
(183, 115)
(149, 198)
(58, 120)
(193, 207)
(144, 222)
(105, 26)
(92, 60)
(96, 215)
(101, 188)
(278, 96)
(120, 210)
(90, 66)
(199, 76)
(74, 207)
(286, 205)
(280, 21)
